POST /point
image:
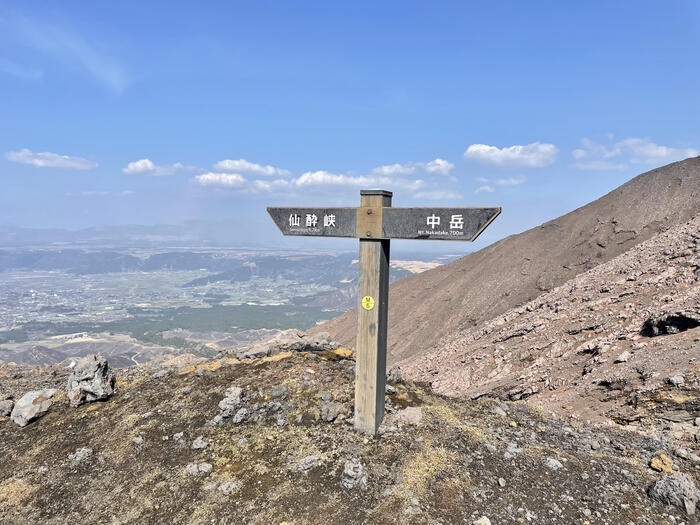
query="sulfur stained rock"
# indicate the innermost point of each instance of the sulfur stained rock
(661, 462)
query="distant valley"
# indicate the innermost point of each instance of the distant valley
(140, 305)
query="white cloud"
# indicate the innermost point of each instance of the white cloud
(644, 151)
(244, 166)
(49, 160)
(489, 185)
(394, 176)
(439, 166)
(395, 169)
(510, 181)
(319, 179)
(229, 180)
(535, 155)
(438, 195)
(599, 165)
(391, 175)
(593, 156)
(267, 186)
(325, 178)
(140, 166)
(147, 167)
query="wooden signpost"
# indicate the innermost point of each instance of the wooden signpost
(375, 222)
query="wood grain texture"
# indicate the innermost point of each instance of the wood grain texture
(370, 370)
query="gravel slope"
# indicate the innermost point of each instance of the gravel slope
(425, 307)
(605, 345)
(148, 455)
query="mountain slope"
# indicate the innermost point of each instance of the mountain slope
(613, 342)
(515, 270)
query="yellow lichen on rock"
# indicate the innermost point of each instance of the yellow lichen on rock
(661, 462)
(276, 357)
(338, 353)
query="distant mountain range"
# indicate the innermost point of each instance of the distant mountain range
(229, 233)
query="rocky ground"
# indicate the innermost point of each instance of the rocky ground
(620, 343)
(270, 440)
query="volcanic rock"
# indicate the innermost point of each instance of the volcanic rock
(31, 406)
(308, 463)
(91, 380)
(354, 474)
(410, 415)
(678, 490)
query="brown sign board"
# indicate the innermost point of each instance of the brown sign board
(444, 224)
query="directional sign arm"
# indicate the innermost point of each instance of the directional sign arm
(377, 222)
(444, 224)
(322, 222)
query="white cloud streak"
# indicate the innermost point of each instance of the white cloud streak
(535, 155)
(437, 166)
(599, 165)
(510, 181)
(398, 176)
(68, 47)
(147, 167)
(244, 166)
(488, 185)
(325, 178)
(438, 195)
(393, 170)
(593, 156)
(310, 179)
(226, 180)
(49, 160)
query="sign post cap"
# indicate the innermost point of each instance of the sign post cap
(383, 193)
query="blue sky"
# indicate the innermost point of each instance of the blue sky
(160, 112)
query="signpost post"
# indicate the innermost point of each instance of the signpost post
(375, 222)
